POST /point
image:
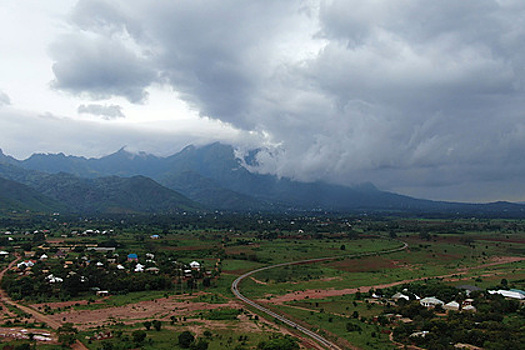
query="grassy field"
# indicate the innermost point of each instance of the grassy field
(462, 255)
(281, 250)
(449, 255)
(219, 335)
(332, 324)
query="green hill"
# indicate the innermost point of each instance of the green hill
(19, 197)
(113, 194)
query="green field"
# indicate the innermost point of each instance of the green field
(457, 252)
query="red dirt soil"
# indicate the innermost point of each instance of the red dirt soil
(160, 309)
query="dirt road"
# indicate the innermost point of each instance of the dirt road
(39, 317)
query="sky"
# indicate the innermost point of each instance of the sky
(424, 98)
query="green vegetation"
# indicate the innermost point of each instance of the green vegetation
(443, 254)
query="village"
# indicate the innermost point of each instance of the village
(69, 270)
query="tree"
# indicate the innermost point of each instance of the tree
(350, 327)
(206, 282)
(106, 345)
(186, 339)
(280, 343)
(157, 325)
(138, 336)
(147, 325)
(200, 345)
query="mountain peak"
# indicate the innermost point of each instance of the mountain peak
(6, 159)
(122, 153)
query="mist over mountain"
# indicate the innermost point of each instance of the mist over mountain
(211, 177)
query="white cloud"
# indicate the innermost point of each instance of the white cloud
(4, 99)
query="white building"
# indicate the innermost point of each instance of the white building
(431, 302)
(508, 294)
(195, 265)
(453, 305)
(400, 295)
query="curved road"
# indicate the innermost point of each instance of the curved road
(321, 340)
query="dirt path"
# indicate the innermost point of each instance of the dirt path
(35, 314)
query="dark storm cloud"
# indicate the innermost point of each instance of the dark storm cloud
(100, 67)
(414, 95)
(104, 111)
(4, 99)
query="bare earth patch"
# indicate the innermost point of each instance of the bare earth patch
(160, 309)
(497, 260)
(62, 304)
(257, 281)
(324, 293)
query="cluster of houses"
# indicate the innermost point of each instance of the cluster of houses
(433, 302)
(103, 335)
(149, 266)
(90, 232)
(465, 305)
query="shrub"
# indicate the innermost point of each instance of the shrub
(186, 339)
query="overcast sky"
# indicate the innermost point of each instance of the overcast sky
(424, 98)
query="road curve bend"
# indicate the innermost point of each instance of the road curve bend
(321, 340)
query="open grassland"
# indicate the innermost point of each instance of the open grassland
(335, 326)
(286, 250)
(218, 334)
(472, 259)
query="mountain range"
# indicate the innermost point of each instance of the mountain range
(196, 178)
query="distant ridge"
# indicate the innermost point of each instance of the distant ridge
(216, 179)
(39, 191)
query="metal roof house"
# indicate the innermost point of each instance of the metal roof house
(431, 302)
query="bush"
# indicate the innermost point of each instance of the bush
(186, 339)
(138, 336)
(200, 345)
(281, 343)
(350, 327)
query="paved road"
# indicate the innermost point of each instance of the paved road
(321, 340)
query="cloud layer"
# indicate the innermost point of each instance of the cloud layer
(4, 99)
(425, 98)
(103, 111)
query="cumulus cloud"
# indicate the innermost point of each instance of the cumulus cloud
(104, 111)
(100, 68)
(4, 99)
(413, 96)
